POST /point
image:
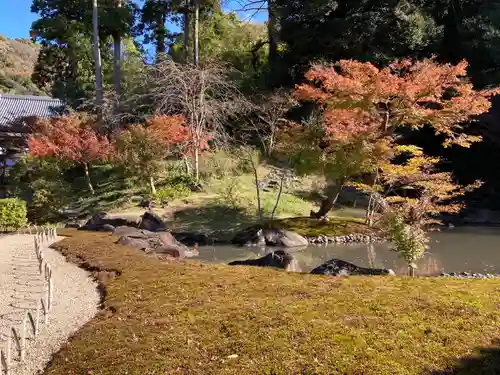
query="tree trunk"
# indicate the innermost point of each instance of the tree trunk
(87, 178)
(327, 204)
(117, 56)
(97, 57)
(186, 33)
(257, 188)
(152, 185)
(411, 270)
(196, 32)
(160, 35)
(196, 162)
(186, 164)
(278, 197)
(271, 35)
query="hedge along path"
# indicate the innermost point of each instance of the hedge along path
(74, 301)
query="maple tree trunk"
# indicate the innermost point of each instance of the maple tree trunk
(87, 178)
(327, 204)
(257, 188)
(278, 197)
(411, 270)
(152, 185)
(188, 167)
(196, 162)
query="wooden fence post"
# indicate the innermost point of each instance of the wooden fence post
(50, 291)
(22, 353)
(6, 358)
(45, 312)
(40, 262)
(37, 318)
(32, 322)
(17, 340)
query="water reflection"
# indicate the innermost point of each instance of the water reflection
(461, 249)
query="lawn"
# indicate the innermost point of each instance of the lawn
(191, 318)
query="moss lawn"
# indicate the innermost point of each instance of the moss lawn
(191, 318)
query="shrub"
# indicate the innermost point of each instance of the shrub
(410, 241)
(172, 192)
(12, 214)
(221, 164)
(43, 185)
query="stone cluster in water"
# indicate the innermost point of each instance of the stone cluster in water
(349, 238)
(468, 275)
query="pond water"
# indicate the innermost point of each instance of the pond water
(465, 249)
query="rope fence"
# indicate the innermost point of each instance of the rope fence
(15, 348)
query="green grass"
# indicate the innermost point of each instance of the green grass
(191, 318)
(335, 226)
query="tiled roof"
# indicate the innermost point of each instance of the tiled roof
(14, 108)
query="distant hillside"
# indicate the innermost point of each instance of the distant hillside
(17, 60)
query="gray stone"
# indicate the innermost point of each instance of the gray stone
(136, 243)
(337, 267)
(277, 259)
(152, 222)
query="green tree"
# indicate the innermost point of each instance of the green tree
(65, 23)
(224, 37)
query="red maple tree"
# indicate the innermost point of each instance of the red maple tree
(361, 106)
(69, 138)
(177, 135)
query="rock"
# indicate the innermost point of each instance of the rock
(98, 220)
(168, 242)
(196, 187)
(277, 259)
(249, 237)
(153, 242)
(270, 237)
(190, 239)
(152, 222)
(107, 228)
(172, 251)
(337, 267)
(133, 232)
(72, 225)
(136, 243)
(147, 203)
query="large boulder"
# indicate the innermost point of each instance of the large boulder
(136, 243)
(153, 222)
(153, 242)
(192, 239)
(269, 237)
(132, 232)
(337, 267)
(277, 259)
(98, 220)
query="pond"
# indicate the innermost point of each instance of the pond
(464, 249)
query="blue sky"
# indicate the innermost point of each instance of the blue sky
(16, 18)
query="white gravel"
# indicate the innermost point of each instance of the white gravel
(75, 300)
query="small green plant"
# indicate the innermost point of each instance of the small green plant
(410, 241)
(12, 214)
(172, 192)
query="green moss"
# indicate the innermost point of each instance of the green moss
(335, 226)
(191, 318)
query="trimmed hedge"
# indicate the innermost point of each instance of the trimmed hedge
(12, 214)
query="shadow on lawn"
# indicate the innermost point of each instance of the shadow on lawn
(216, 219)
(485, 362)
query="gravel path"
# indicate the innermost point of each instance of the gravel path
(75, 300)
